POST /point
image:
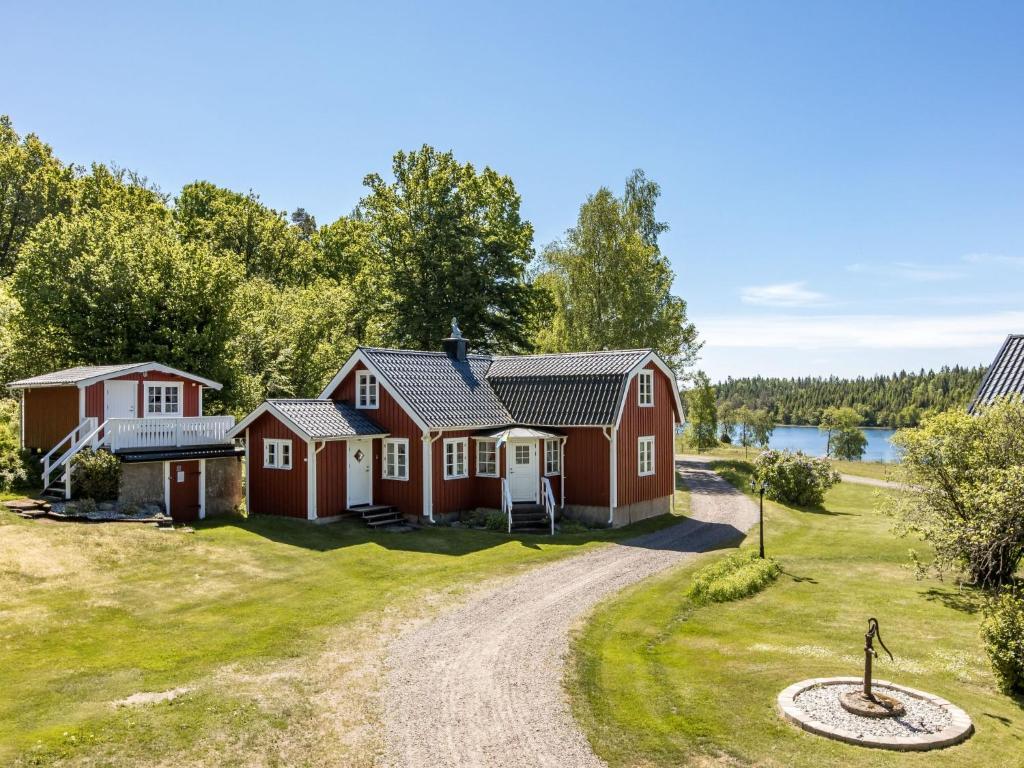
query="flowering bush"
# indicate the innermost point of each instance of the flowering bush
(1003, 633)
(97, 475)
(795, 478)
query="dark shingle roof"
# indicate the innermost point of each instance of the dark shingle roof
(1006, 374)
(564, 389)
(443, 392)
(325, 419)
(72, 375)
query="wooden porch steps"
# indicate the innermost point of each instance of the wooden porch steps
(377, 515)
(530, 518)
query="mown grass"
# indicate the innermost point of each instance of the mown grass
(659, 681)
(276, 628)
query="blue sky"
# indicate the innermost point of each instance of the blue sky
(844, 182)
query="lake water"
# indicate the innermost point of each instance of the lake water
(812, 441)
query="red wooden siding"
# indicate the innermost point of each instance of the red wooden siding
(94, 405)
(587, 472)
(454, 495)
(331, 465)
(276, 491)
(488, 489)
(405, 495)
(637, 422)
(50, 414)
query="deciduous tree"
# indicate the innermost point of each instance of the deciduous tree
(701, 413)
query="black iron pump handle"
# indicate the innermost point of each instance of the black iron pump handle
(875, 631)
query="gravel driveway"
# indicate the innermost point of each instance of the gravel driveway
(481, 684)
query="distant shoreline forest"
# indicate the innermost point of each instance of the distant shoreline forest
(896, 400)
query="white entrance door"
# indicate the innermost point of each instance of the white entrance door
(360, 472)
(523, 479)
(119, 399)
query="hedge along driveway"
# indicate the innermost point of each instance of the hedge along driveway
(657, 681)
(268, 623)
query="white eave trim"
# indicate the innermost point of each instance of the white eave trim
(360, 357)
(139, 368)
(652, 357)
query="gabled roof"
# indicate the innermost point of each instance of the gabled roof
(443, 392)
(1006, 374)
(314, 419)
(572, 389)
(83, 375)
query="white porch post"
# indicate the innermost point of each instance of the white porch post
(561, 467)
(613, 486)
(167, 487)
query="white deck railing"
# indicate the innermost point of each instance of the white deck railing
(129, 434)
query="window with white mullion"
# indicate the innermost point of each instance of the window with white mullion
(455, 464)
(396, 459)
(367, 390)
(552, 457)
(277, 454)
(163, 400)
(487, 458)
(645, 389)
(645, 455)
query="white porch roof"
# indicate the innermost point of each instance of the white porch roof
(516, 433)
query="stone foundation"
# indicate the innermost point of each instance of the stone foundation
(597, 517)
(224, 490)
(142, 483)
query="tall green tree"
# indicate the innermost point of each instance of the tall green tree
(446, 240)
(34, 184)
(262, 239)
(110, 286)
(701, 413)
(609, 285)
(841, 426)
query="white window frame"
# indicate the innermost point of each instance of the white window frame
(480, 444)
(163, 386)
(272, 459)
(550, 452)
(452, 443)
(641, 443)
(385, 468)
(367, 383)
(645, 389)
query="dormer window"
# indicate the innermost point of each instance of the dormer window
(645, 389)
(366, 390)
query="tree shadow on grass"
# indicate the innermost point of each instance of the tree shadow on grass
(798, 579)
(965, 600)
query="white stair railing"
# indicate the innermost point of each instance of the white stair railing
(89, 439)
(506, 502)
(549, 503)
(75, 437)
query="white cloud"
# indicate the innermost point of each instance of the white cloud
(852, 332)
(782, 295)
(996, 259)
(908, 270)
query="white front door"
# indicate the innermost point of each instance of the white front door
(523, 480)
(119, 399)
(360, 472)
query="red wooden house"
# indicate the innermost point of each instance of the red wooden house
(148, 415)
(428, 435)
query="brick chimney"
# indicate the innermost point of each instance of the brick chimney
(455, 346)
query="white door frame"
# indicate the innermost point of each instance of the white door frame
(366, 445)
(534, 462)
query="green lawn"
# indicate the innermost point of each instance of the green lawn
(276, 626)
(658, 682)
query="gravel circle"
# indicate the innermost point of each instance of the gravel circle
(821, 703)
(482, 684)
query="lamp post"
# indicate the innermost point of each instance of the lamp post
(755, 489)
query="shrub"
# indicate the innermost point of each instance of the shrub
(96, 474)
(496, 521)
(13, 472)
(739, 575)
(1003, 633)
(795, 478)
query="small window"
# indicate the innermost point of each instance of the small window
(366, 390)
(455, 459)
(552, 457)
(522, 455)
(396, 459)
(645, 456)
(163, 399)
(277, 454)
(487, 458)
(645, 389)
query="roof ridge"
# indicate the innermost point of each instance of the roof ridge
(591, 353)
(432, 353)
